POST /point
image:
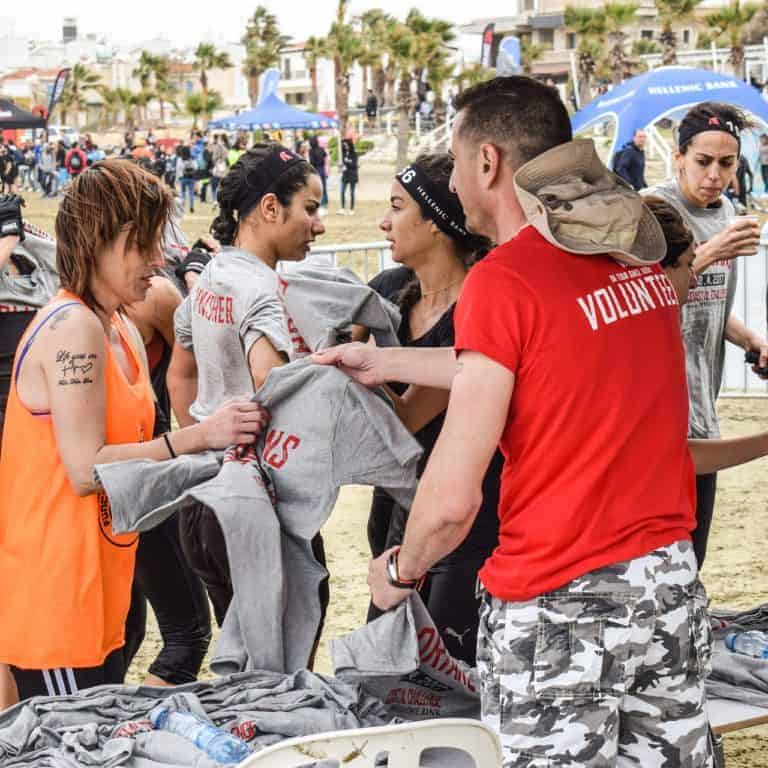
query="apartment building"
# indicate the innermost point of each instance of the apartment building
(544, 22)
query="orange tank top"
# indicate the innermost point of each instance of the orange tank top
(65, 577)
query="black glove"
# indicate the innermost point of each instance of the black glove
(11, 223)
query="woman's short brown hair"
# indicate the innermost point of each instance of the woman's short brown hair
(678, 236)
(97, 206)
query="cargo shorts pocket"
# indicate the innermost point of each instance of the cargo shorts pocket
(700, 656)
(582, 645)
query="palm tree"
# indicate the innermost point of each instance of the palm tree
(472, 75)
(315, 48)
(126, 100)
(672, 13)
(207, 58)
(728, 26)
(263, 44)
(81, 79)
(618, 16)
(530, 52)
(375, 25)
(590, 25)
(144, 72)
(110, 105)
(402, 53)
(165, 90)
(344, 47)
(201, 105)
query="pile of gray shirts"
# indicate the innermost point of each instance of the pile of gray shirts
(108, 726)
(734, 675)
(271, 500)
(38, 280)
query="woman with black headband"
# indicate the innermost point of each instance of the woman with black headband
(709, 143)
(231, 330)
(425, 225)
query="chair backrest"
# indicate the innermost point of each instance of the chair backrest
(451, 741)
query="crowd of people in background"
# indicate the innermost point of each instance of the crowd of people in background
(194, 167)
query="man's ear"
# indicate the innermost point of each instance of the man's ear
(490, 160)
(269, 207)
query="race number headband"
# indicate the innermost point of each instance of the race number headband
(259, 180)
(437, 203)
(691, 127)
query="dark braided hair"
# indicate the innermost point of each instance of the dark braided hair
(438, 167)
(233, 188)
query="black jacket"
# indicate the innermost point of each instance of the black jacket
(630, 165)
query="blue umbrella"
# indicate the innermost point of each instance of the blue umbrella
(271, 114)
(665, 92)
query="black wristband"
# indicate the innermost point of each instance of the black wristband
(169, 446)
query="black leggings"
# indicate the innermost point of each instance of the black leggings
(706, 489)
(449, 591)
(67, 681)
(178, 599)
(206, 551)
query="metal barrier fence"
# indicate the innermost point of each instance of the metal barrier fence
(750, 306)
(364, 259)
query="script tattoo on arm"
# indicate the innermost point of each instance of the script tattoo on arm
(73, 367)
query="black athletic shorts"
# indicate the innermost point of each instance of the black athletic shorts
(67, 681)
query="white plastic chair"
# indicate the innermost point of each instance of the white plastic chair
(403, 744)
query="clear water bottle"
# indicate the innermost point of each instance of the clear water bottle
(219, 745)
(753, 643)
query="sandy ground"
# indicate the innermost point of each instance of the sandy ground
(735, 572)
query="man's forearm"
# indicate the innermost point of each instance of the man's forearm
(424, 367)
(713, 455)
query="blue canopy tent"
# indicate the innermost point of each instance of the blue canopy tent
(271, 114)
(667, 92)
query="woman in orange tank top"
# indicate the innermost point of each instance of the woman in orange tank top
(80, 396)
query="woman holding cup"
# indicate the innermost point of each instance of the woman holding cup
(706, 160)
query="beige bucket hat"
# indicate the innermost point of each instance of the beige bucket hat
(577, 204)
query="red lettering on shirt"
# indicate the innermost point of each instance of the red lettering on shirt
(278, 447)
(213, 307)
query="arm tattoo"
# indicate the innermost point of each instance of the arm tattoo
(60, 318)
(74, 367)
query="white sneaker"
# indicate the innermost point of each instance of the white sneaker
(323, 211)
(351, 213)
(342, 211)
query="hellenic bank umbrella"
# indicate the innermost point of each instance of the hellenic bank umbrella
(665, 92)
(13, 117)
(272, 114)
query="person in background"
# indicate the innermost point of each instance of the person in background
(349, 173)
(706, 159)
(630, 161)
(220, 163)
(371, 109)
(318, 158)
(763, 153)
(739, 188)
(186, 173)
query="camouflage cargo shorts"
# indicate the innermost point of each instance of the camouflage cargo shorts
(606, 671)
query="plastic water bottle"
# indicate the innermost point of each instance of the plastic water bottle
(754, 643)
(219, 745)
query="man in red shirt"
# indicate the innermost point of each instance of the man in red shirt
(594, 639)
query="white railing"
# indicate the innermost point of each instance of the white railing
(364, 259)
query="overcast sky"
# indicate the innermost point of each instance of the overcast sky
(185, 23)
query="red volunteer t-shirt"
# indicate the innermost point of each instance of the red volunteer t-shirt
(597, 468)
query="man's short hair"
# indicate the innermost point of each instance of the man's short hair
(515, 113)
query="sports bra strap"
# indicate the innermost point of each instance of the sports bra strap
(34, 333)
